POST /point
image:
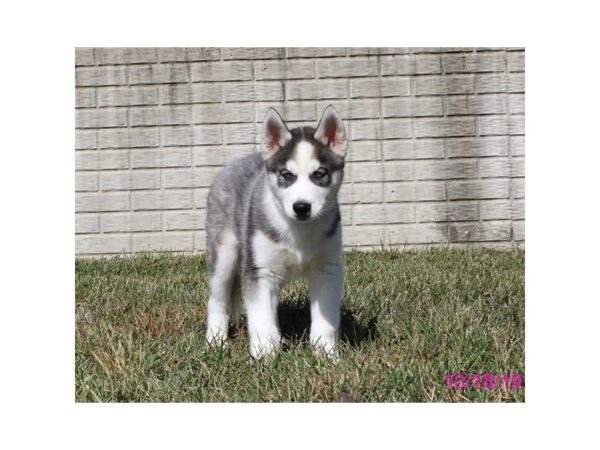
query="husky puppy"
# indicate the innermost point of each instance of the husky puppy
(273, 216)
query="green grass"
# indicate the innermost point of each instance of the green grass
(408, 319)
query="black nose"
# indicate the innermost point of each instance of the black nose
(302, 210)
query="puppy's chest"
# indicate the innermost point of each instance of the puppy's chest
(286, 259)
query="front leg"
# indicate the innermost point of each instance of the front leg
(326, 284)
(261, 296)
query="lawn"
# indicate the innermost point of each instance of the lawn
(408, 319)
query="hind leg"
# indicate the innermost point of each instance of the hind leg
(235, 311)
(223, 270)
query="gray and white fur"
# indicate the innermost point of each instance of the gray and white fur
(274, 216)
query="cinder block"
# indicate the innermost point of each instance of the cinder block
(351, 194)
(161, 158)
(100, 76)
(516, 82)
(185, 220)
(446, 170)
(417, 234)
(364, 235)
(196, 135)
(162, 200)
(518, 209)
(491, 83)
(185, 178)
(195, 93)
(446, 212)
(85, 139)
(86, 181)
(412, 107)
(496, 210)
(100, 118)
(516, 103)
(494, 167)
(399, 213)
(515, 61)
(354, 109)
(100, 244)
(517, 167)
(444, 85)
(290, 111)
(445, 127)
(200, 197)
(316, 89)
(161, 115)
(128, 138)
(163, 242)
(380, 87)
(284, 70)
(441, 49)
(475, 104)
(85, 97)
(84, 56)
(367, 171)
(188, 54)
(517, 145)
(252, 53)
(102, 201)
(212, 156)
(126, 55)
(241, 134)
(200, 240)
(127, 96)
(397, 171)
(224, 113)
(501, 125)
(474, 62)
(247, 91)
(415, 191)
(346, 213)
(346, 67)
(413, 149)
(518, 228)
(410, 65)
(363, 151)
(476, 147)
(87, 223)
(129, 180)
(101, 160)
(388, 129)
(487, 231)
(159, 73)
(369, 214)
(315, 52)
(371, 51)
(222, 71)
(478, 189)
(518, 187)
(130, 222)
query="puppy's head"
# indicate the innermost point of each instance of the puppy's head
(305, 166)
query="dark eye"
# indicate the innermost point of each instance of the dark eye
(286, 174)
(320, 173)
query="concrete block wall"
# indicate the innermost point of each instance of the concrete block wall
(437, 152)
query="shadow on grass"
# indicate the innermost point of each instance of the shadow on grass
(294, 322)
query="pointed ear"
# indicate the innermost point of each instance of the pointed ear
(331, 131)
(274, 133)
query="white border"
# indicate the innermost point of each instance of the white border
(37, 315)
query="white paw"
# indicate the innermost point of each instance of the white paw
(216, 336)
(325, 344)
(264, 344)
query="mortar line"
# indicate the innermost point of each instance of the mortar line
(381, 151)
(192, 162)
